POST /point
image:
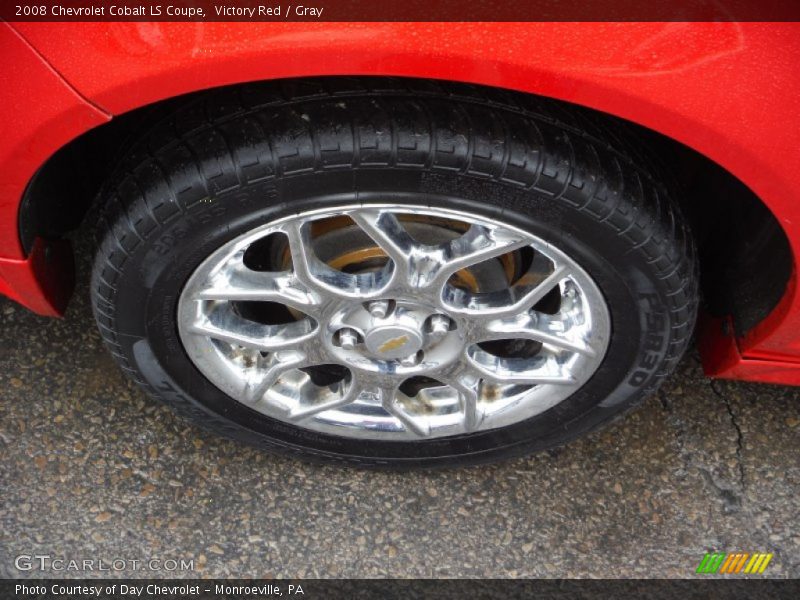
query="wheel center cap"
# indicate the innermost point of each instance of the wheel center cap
(393, 341)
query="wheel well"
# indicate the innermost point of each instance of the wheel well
(745, 257)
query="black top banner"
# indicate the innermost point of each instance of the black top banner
(394, 10)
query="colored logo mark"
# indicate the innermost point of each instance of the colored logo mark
(735, 562)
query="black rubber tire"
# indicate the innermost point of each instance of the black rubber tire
(225, 161)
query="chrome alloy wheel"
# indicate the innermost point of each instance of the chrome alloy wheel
(449, 323)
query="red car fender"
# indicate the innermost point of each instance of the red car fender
(43, 113)
(729, 90)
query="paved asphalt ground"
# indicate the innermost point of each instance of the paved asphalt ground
(90, 468)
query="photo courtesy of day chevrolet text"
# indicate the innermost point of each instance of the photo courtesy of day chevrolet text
(157, 590)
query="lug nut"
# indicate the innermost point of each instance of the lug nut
(440, 325)
(379, 308)
(348, 338)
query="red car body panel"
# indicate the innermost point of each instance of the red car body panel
(47, 113)
(731, 91)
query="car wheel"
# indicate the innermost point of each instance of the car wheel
(397, 275)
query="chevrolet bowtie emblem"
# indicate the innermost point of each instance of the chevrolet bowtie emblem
(393, 344)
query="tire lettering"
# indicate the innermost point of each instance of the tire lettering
(655, 322)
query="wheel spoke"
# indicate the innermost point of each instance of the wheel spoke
(477, 245)
(300, 247)
(539, 370)
(533, 296)
(280, 363)
(225, 325)
(465, 380)
(386, 230)
(242, 284)
(387, 390)
(527, 327)
(315, 274)
(514, 301)
(301, 413)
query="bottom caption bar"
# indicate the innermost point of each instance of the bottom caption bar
(388, 589)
